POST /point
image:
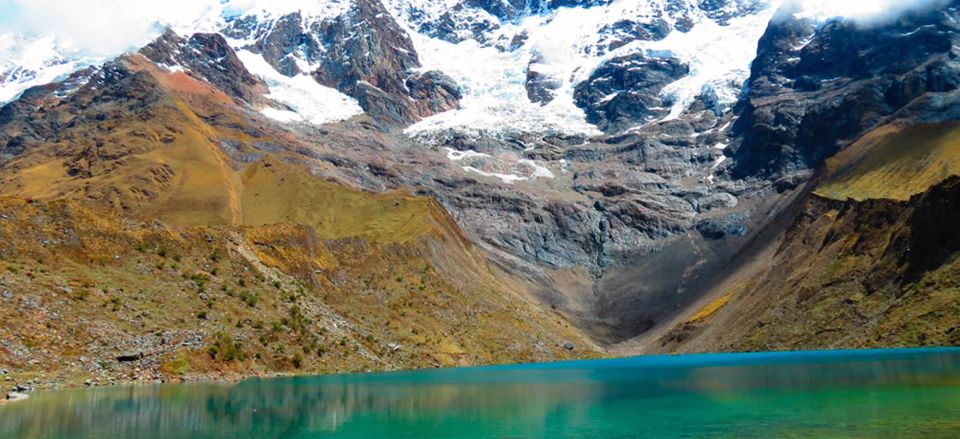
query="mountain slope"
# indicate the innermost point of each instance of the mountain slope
(129, 300)
(485, 172)
(161, 227)
(874, 266)
(894, 162)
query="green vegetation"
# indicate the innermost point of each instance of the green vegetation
(226, 349)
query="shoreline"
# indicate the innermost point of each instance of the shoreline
(13, 397)
(678, 359)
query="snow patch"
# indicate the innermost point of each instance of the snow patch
(506, 178)
(172, 67)
(305, 99)
(457, 156)
(538, 171)
(534, 169)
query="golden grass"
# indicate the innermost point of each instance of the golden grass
(713, 307)
(894, 162)
(170, 167)
(275, 192)
(128, 279)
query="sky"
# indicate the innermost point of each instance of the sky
(102, 27)
(108, 27)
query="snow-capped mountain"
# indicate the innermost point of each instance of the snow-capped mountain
(31, 61)
(519, 66)
(625, 98)
(540, 62)
(470, 66)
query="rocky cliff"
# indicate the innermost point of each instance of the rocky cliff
(815, 88)
(868, 260)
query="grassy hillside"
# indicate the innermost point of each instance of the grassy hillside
(173, 236)
(894, 162)
(81, 289)
(847, 274)
(275, 192)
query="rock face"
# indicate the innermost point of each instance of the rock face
(724, 10)
(541, 87)
(813, 90)
(625, 91)
(114, 89)
(208, 57)
(362, 52)
(433, 92)
(847, 274)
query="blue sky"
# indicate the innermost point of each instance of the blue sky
(8, 13)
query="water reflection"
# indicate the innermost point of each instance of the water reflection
(895, 392)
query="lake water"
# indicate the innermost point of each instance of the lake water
(889, 393)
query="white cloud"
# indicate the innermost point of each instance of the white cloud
(107, 27)
(862, 11)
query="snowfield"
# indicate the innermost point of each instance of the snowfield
(301, 97)
(565, 45)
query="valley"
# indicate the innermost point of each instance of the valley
(369, 185)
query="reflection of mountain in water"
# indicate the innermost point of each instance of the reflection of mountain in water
(574, 398)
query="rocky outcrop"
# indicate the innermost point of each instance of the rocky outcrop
(845, 274)
(813, 90)
(433, 92)
(723, 10)
(363, 53)
(627, 31)
(207, 57)
(541, 87)
(45, 114)
(625, 91)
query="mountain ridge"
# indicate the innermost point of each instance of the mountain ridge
(333, 148)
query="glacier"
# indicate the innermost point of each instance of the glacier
(565, 44)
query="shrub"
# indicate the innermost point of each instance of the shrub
(225, 349)
(297, 360)
(249, 298)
